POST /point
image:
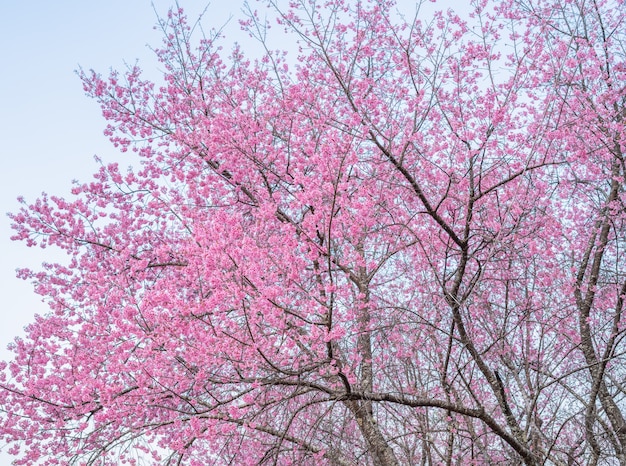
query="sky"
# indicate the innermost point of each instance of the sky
(50, 131)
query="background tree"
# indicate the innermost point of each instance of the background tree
(404, 246)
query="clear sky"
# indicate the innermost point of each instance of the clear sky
(49, 129)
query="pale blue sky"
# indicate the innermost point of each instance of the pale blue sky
(50, 129)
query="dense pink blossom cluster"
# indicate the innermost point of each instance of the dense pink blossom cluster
(404, 245)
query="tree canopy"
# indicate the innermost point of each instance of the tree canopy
(402, 244)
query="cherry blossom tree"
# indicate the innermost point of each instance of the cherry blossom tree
(404, 245)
